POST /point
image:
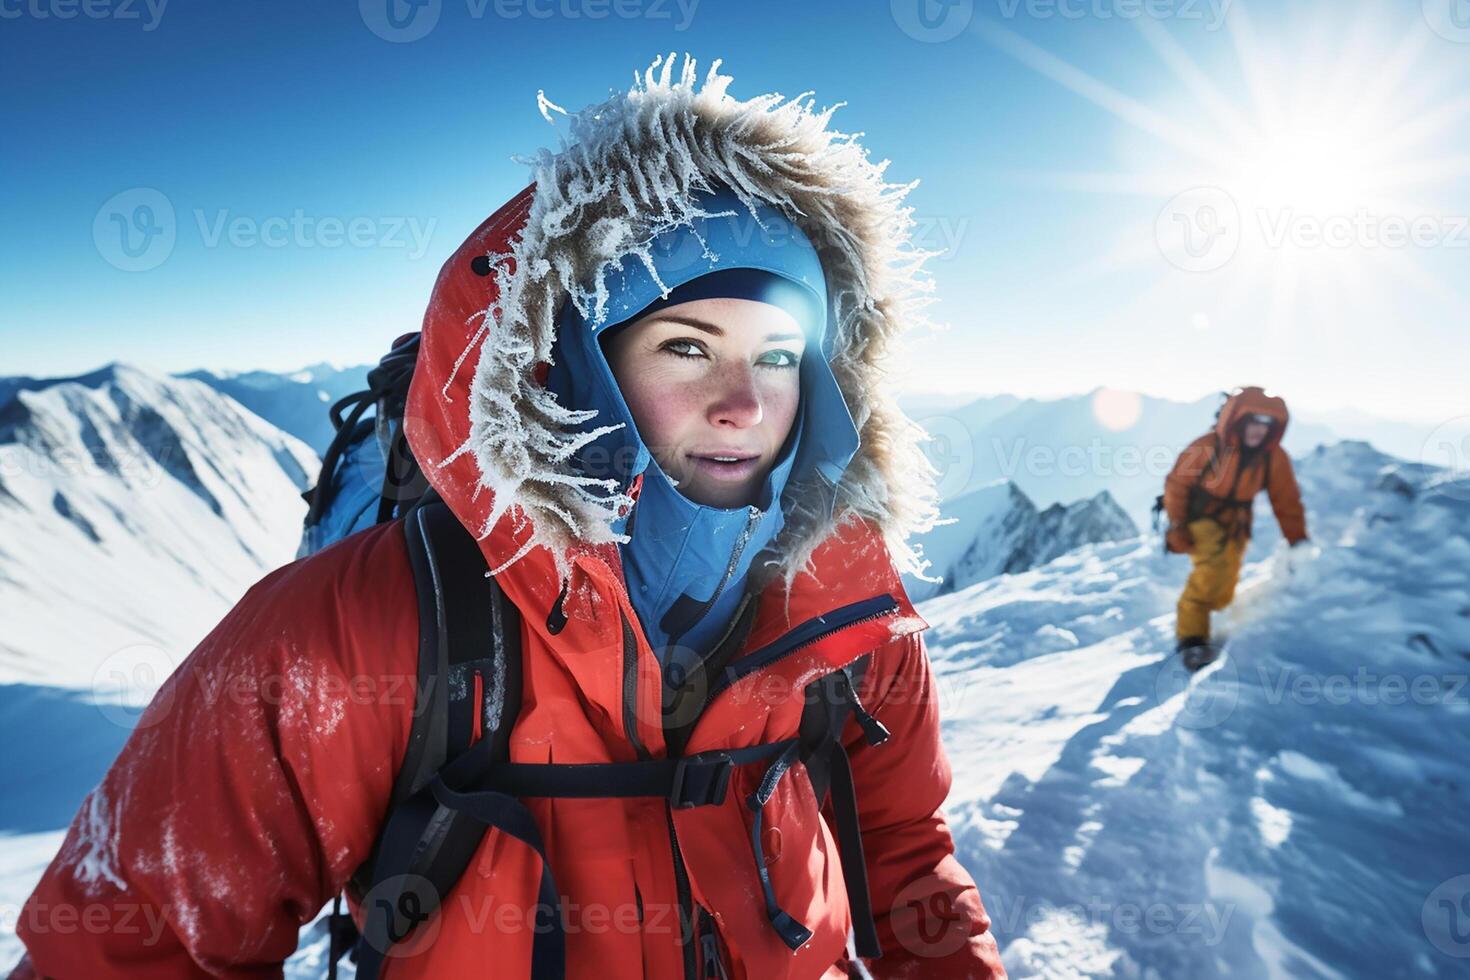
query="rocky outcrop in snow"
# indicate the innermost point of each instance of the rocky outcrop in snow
(997, 530)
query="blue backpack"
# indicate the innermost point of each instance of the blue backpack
(368, 473)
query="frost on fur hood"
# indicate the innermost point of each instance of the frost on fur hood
(627, 170)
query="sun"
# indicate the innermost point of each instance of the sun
(1314, 165)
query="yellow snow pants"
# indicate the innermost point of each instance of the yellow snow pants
(1211, 584)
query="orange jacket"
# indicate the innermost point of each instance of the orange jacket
(1216, 477)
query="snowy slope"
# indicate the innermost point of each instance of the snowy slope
(134, 510)
(996, 529)
(296, 402)
(1297, 810)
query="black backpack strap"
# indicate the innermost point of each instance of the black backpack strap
(468, 684)
(465, 634)
(830, 701)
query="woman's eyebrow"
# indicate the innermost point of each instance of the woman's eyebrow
(690, 321)
(715, 330)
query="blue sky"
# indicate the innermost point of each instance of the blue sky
(1171, 196)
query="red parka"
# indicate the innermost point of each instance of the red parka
(256, 781)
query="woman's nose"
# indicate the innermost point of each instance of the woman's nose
(735, 400)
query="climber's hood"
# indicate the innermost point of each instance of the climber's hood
(1251, 401)
(498, 444)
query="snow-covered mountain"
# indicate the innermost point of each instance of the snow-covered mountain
(1294, 811)
(296, 402)
(996, 530)
(134, 510)
(1091, 521)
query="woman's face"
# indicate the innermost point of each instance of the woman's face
(713, 385)
(1255, 434)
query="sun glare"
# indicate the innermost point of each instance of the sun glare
(1316, 194)
(1116, 410)
(1310, 165)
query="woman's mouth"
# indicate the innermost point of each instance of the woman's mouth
(733, 467)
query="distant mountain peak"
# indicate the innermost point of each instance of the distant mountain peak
(295, 401)
(996, 529)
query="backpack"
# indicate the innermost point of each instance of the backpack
(456, 780)
(368, 470)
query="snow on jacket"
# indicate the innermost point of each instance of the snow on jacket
(256, 780)
(1223, 477)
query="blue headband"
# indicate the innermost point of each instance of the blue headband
(759, 285)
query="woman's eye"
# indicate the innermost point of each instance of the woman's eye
(780, 358)
(684, 348)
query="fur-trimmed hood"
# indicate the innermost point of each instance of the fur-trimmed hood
(628, 169)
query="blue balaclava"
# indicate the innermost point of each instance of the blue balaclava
(686, 564)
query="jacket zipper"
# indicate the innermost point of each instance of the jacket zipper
(739, 549)
(630, 724)
(802, 636)
(686, 901)
(630, 687)
(793, 640)
(713, 967)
